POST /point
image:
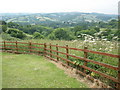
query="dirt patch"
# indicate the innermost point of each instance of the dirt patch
(72, 73)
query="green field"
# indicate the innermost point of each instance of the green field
(32, 71)
(98, 45)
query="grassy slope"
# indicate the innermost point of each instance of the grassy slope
(102, 46)
(31, 71)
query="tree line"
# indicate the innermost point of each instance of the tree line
(102, 30)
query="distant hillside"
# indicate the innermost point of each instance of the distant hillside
(50, 18)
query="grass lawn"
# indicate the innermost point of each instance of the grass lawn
(32, 71)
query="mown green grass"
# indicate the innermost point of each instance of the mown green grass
(97, 45)
(32, 71)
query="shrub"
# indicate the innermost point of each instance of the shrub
(62, 34)
(6, 36)
(51, 36)
(16, 33)
(37, 35)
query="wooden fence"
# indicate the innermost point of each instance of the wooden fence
(47, 51)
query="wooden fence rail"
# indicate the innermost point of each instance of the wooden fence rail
(48, 51)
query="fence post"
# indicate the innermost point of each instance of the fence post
(30, 47)
(85, 56)
(67, 53)
(16, 46)
(57, 52)
(50, 50)
(4, 46)
(118, 85)
(44, 49)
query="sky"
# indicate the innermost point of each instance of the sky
(49, 6)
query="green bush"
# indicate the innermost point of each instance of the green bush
(62, 34)
(37, 35)
(6, 36)
(4, 28)
(51, 36)
(16, 33)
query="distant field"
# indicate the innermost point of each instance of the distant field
(32, 71)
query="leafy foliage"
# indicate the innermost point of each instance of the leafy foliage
(62, 34)
(6, 36)
(37, 35)
(101, 30)
(16, 33)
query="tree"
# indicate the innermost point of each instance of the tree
(51, 36)
(16, 33)
(106, 32)
(13, 25)
(77, 29)
(37, 35)
(113, 23)
(97, 29)
(62, 34)
(89, 32)
(102, 24)
(4, 28)
(3, 23)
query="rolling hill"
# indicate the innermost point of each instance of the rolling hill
(59, 18)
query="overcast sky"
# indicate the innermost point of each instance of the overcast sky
(47, 6)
